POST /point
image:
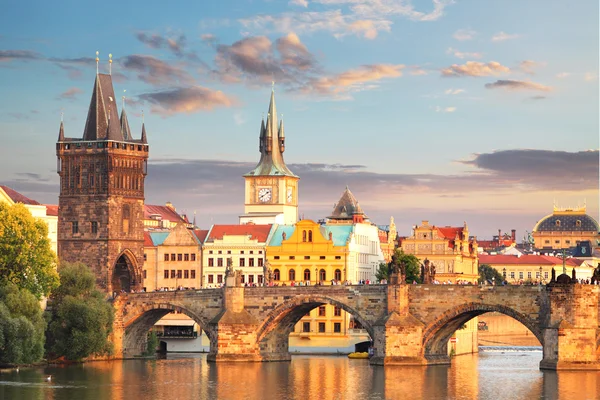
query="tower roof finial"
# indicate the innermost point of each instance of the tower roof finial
(97, 60)
(123, 106)
(110, 64)
(272, 85)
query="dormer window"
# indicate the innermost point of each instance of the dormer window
(558, 222)
(578, 223)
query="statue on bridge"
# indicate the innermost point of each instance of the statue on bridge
(427, 272)
(267, 273)
(229, 268)
(397, 271)
(596, 275)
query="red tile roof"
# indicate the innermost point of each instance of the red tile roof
(52, 209)
(148, 240)
(18, 197)
(529, 259)
(257, 232)
(201, 234)
(449, 232)
(165, 212)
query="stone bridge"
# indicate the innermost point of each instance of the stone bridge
(409, 324)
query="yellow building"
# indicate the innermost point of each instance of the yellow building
(565, 228)
(448, 248)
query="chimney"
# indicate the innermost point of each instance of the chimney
(499, 235)
(513, 235)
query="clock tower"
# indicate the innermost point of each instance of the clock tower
(271, 194)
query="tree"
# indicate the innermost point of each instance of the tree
(26, 258)
(81, 318)
(21, 326)
(489, 274)
(413, 267)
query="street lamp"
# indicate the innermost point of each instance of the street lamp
(541, 278)
(504, 273)
(493, 281)
(316, 277)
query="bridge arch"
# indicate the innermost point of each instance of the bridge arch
(437, 333)
(136, 328)
(273, 333)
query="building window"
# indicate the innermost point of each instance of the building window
(178, 274)
(173, 257)
(558, 222)
(242, 252)
(75, 227)
(307, 274)
(578, 223)
(260, 252)
(292, 257)
(557, 242)
(512, 275)
(322, 311)
(321, 257)
(321, 327)
(292, 274)
(243, 278)
(210, 252)
(322, 276)
(250, 278)
(337, 311)
(304, 236)
(186, 274)
(166, 257)
(193, 256)
(220, 252)
(145, 257)
(567, 242)
(276, 275)
(260, 279)
(545, 274)
(310, 236)
(172, 274)
(529, 275)
(276, 258)
(260, 262)
(338, 257)
(144, 274)
(166, 274)
(94, 227)
(179, 257)
(338, 275)
(186, 257)
(307, 257)
(337, 327)
(126, 216)
(546, 241)
(210, 278)
(537, 275)
(193, 274)
(219, 262)
(306, 327)
(211, 262)
(242, 262)
(220, 278)
(521, 275)
(251, 251)
(228, 251)
(251, 262)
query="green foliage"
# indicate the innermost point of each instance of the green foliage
(26, 258)
(152, 344)
(21, 326)
(413, 267)
(81, 319)
(486, 273)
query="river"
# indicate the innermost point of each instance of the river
(494, 373)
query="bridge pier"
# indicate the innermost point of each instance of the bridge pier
(398, 335)
(571, 333)
(235, 330)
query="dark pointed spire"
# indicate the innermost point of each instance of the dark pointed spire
(144, 138)
(281, 135)
(61, 132)
(125, 131)
(102, 105)
(262, 137)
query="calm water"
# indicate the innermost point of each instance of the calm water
(493, 374)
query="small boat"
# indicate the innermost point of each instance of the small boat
(358, 355)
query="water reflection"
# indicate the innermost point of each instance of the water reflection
(489, 375)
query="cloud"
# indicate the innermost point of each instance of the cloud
(155, 71)
(21, 55)
(352, 80)
(445, 109)
(517, 85)
(590, 76)
(300, 3)
(528, 66)
(186, 100)
(174, 43)
(455, 91)
(209, 39)
(464, 34)
(538, 97)
(502, 36)
(369, 29)
(475, 68)
(70, 94)
(562, 75)
(294, 53)
(460, 54)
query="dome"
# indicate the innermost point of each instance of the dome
(567, 222)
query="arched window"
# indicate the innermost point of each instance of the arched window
(292, 275)
(322, 276)
(126, 217)
(558, 222)
(276, 275)
(304, 236)
(307, 274)
(310, 236)
(337, 275)
(578, 223)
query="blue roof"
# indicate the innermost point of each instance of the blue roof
(159, 237)
(339, 233)
(277, 237)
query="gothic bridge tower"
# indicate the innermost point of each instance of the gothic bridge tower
(271, 194)
(101, 202)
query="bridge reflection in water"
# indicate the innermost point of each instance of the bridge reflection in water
(409, 324)
(509, 375)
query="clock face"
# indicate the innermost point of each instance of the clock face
(290, 193)
(264, 195)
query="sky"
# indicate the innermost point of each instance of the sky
(439, 110)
